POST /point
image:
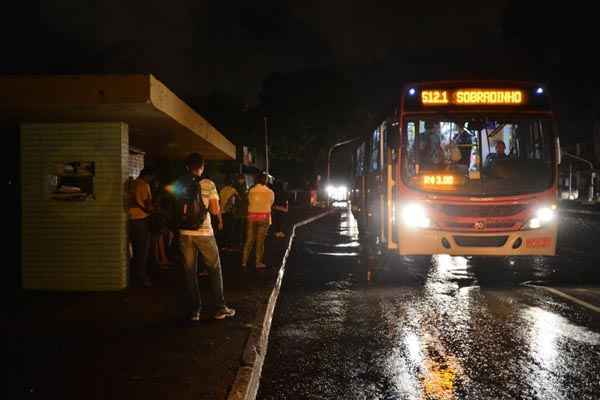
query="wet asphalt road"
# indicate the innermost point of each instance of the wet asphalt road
(447, 328)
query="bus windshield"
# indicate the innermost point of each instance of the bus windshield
(478, 155)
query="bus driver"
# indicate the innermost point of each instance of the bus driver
(498, 155)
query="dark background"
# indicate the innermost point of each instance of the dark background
(320, 71)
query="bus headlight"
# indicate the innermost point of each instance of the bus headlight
(543, 216)
(415, 216)
(339, 193)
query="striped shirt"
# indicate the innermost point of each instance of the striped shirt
(209, 192)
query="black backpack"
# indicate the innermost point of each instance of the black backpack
(190, 209)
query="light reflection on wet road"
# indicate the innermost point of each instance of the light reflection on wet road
(451, 328)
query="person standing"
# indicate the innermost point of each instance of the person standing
(464, 141)
(498, 155)
(198, 239)
(260, 201)
(161, 227)
(313, 190)
(139, 210)
(229, 203)
(280, 209)
(241, 212)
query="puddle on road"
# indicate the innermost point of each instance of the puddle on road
(444, 328)
(348, 228)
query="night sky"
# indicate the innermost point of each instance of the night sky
(259, 55)
(200, 46)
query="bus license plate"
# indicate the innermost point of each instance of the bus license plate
(536, 243)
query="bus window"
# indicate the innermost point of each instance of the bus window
(525, 141)
(375, 144)
(360, 160)
(411, 150)
(477, 155)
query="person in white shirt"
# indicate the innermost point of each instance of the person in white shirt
(260, 201)
(202, 242)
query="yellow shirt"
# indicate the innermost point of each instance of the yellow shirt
(226, 193)
(260, 199)
(139, 195)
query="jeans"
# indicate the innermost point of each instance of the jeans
(205, 246)
(240, 223)
(256, 231)
(228, 234)
(279, 220)
(139, 234)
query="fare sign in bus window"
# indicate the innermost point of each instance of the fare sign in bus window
(472, 97)
(438, 180)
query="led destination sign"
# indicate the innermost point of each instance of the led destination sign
(469, 97)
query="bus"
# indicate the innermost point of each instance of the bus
(461, 168)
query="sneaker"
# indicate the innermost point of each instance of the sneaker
(194, 316)
(225, 312)
(280, 234)
(203, 273)
(261, 265)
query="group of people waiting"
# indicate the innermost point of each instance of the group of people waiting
(155, 227)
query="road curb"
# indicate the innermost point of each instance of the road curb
(247, 380)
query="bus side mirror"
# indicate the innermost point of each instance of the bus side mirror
(558, 155)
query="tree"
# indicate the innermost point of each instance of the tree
(308, 111)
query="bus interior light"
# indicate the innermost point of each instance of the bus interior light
(540, 90)
(412, 91)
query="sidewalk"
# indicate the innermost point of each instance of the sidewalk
(134, 344)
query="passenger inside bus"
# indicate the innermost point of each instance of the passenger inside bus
(498, 155)
(463, 141)
(430, 149)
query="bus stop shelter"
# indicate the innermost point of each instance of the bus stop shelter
(75, 135)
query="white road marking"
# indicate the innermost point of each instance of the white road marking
(566, 296)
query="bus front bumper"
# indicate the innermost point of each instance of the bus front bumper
(538, 242)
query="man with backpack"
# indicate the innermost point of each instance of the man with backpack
(197, 199)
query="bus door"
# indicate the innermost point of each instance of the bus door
(391, 175)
